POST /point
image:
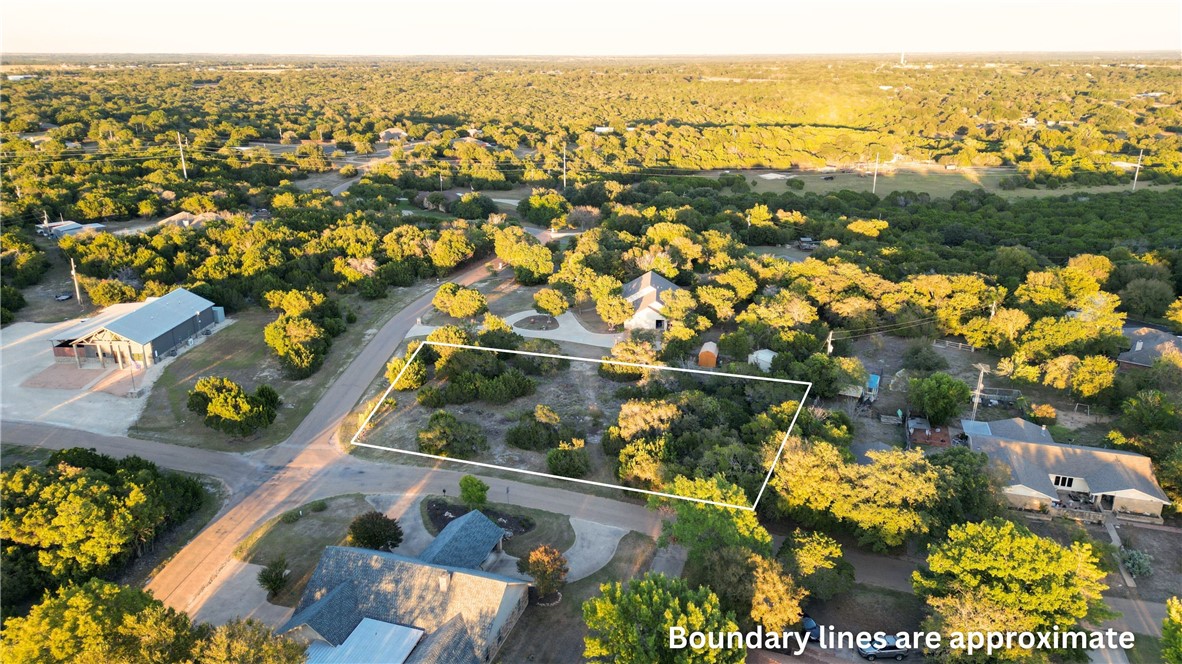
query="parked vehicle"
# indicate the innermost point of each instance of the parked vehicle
(807, 624)
(888, 650)
(62, 297)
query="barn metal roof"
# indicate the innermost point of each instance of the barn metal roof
(142, 322)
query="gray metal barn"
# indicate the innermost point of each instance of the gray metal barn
(140, 332)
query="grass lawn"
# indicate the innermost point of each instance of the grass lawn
(25, 456)
(555, 634)
(239, 353)
(549, 528)
(1146, 650)
(302, 541)
(871, 609)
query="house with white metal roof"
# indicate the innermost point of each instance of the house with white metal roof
(644, 294)
(1046, 474)
(137, 332)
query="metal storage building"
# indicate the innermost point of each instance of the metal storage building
(140, 332)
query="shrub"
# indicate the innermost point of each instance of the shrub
(922, 357)
(569, 459)
(1137, 562)
(318, 505)
(374, 530)
(291, 517)
(446, 436)
(506, 387)
(548, 568)
(540, 366)
(1042, 413)
(273, 577)
(11, 298)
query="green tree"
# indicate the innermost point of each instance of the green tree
(701, 527)
(550, 301)
(939, 396)
(631, 624)
(473, 492)
(374, 530)
(1147, 297)
(247, 642)
(452, 248)
(412, 379)
(1171, 631)
(227, 407)
(1031, 580)
(968, 490)
(99, 621)
(569, 459)
(547, 567)
(543, 206)
(816, 559)
(459, 302)
(614, 310)
(1093, 375)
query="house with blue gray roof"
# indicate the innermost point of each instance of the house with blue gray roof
(471, 541)
(363, 605)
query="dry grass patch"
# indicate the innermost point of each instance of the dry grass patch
(301, 541)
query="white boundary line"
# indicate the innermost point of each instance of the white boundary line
(749, 508)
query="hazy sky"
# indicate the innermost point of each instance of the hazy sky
(605, 27)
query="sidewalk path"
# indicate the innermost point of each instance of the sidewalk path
(569, 330)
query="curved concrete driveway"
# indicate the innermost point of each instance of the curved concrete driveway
(595, 544)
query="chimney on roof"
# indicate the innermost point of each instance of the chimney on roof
(444, 581)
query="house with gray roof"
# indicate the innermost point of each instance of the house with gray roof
(644, 294)
(361, 602)
(1146, 347)
(137, 332)
(472, 541)
(1046, 474)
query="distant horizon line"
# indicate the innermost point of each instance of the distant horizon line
(1155, 53)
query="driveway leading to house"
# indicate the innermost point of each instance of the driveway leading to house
(595, 544)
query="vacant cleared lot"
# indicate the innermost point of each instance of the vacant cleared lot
(581, 398)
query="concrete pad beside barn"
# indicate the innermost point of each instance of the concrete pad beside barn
(37, 387)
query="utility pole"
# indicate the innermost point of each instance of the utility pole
(829, 344)
(77, 291)
(1137, 172)
(983, 368)
(440, 181)
(184, 168)
(564, 165)
(874, 184)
